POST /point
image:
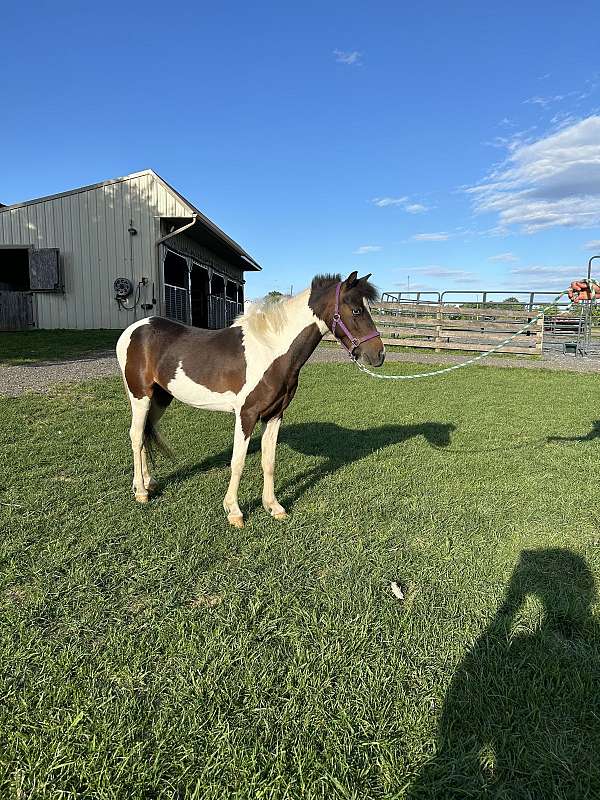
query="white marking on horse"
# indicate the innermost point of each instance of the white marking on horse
(139, 412)
(267, 338)
(123, 343)
(183, 388)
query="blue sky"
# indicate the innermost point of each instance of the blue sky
(458, 143)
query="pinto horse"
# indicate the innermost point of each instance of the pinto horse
(249, 369)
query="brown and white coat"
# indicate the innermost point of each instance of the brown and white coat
(250, 369)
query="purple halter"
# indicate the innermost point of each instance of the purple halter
(337, 320)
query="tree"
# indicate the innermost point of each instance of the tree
(274, 295)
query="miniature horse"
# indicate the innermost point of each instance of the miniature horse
(250, 369)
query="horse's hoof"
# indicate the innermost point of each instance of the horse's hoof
(152, 487)
(141, 498)
(280, 515)
(237, 520)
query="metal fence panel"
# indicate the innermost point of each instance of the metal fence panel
(176, 303)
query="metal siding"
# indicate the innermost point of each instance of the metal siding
(110, 252)
(90, 230)
(104, 264)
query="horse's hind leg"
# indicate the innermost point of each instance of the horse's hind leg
(159, 403)
(139, 412)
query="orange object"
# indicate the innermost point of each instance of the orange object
(582, 290)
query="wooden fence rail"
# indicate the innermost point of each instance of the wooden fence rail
(448, 327)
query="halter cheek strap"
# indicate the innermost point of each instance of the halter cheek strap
(338, 321)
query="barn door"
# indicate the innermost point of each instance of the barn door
(16, 311)
(44, 273)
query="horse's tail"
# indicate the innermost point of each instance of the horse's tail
(154, 442)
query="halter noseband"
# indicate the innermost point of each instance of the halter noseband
(337, 320)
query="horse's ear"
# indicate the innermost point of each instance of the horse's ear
(351, 280)
(365, 279)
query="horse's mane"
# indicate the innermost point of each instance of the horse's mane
(266, 316)
(269, 316)
(365, 288)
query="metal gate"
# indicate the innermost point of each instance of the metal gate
(223, 311)
(16, 311)
(176, 303)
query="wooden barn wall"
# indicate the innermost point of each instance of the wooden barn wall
(90, 229)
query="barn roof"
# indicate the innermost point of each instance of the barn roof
(204, 230)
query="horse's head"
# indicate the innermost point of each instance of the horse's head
(343, 306)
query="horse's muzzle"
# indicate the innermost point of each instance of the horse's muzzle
(373, 359)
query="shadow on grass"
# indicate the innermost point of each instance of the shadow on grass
(334, 445)
(521, 718)
(586, 437)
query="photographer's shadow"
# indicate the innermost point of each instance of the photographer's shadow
(521, 718)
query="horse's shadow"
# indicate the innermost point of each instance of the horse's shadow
(332, 444)
(594, 433)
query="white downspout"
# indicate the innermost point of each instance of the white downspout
(178, 230)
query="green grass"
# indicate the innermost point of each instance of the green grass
(155, 652)
(29, 347)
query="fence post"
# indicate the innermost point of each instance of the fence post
(438, 329)
(539, 345)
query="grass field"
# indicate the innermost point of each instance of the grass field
(155, 652)
(29, 347)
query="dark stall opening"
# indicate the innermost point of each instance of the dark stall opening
(14, 269)
(199, 296)
(176, 270)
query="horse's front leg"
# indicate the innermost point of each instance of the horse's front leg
(268, 445)
(238, 459)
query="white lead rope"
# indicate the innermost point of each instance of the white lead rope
(498, 347)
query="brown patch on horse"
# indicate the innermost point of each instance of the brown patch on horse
(139, 368)
(277, 387)
(214, 359)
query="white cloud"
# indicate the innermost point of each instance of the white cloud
(542, 277)
(438, 272)
(384, 202)
(416, 287)
(504, 257)
(593, 244)
(367, 248)
(347, 57)
(544, 102)
(405, 202)
(442, 236)
(551, 182)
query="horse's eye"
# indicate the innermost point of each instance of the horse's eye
(356, 312)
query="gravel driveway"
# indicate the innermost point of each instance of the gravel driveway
(16, 380)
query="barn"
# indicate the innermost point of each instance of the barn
(105, 255)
